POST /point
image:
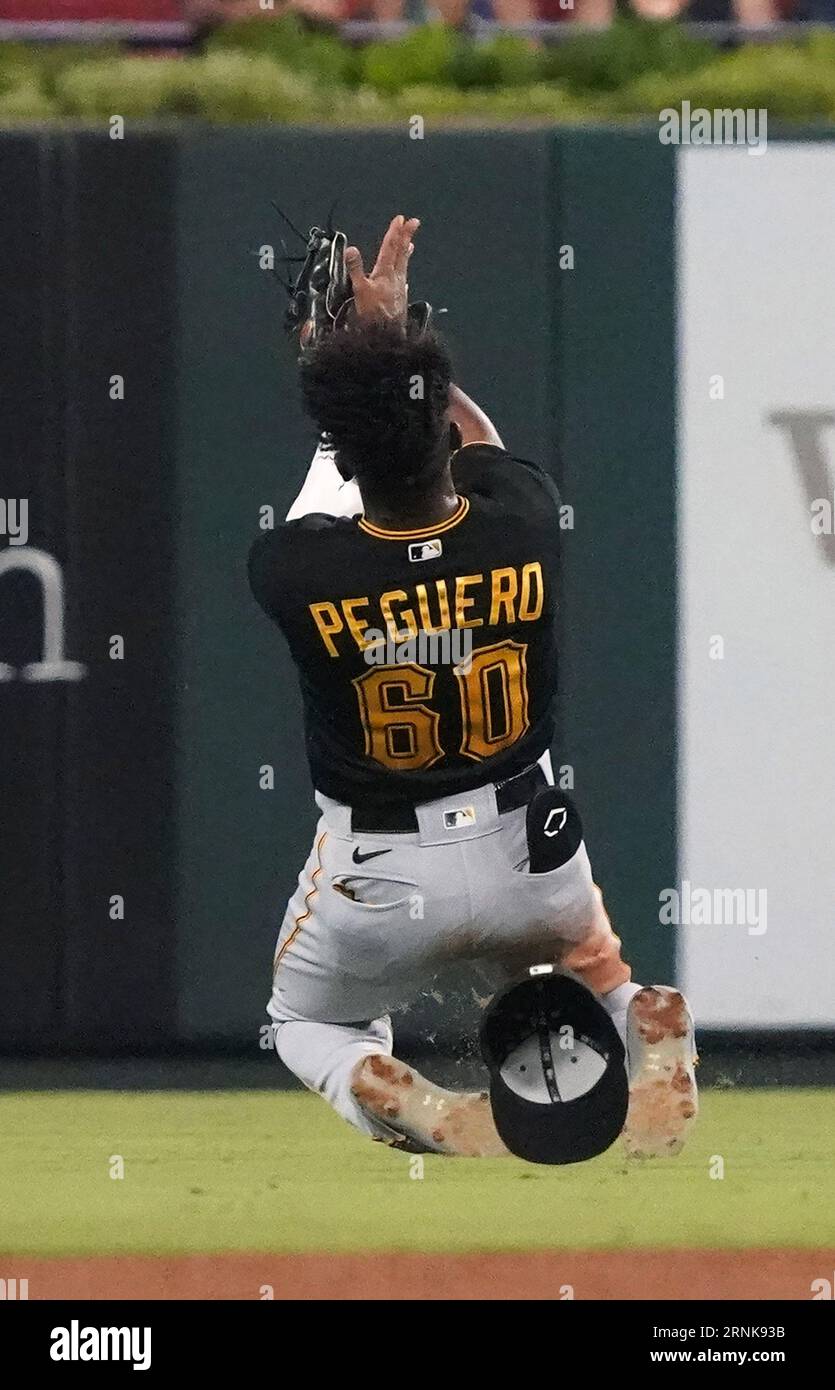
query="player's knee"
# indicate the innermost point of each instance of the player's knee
(338, 1062)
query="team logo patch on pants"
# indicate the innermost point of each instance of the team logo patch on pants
(462, 815)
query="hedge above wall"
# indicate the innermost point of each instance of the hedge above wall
(276, 71)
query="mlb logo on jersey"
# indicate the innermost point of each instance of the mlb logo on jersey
(425, 550)
(462, 815)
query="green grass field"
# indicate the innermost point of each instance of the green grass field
(268, 1171)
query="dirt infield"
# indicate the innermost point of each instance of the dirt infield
(545, 1275)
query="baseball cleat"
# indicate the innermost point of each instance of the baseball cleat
(425, 1118)
(660, 1062)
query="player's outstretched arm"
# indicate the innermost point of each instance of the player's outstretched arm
(474, 425)
(325, 490)
(383, 294)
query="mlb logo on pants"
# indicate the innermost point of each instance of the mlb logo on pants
(463, 815)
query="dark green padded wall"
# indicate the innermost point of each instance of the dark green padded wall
(155, 274)
(615, 399)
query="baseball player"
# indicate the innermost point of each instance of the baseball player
(415, 580)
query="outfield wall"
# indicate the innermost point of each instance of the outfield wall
(140, 780)
(756, 463)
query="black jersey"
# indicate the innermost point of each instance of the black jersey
(427, 658)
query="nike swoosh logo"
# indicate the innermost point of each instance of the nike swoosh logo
(359, 858)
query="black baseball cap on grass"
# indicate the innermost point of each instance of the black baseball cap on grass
(558, 1085)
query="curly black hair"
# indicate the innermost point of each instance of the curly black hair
(379, 393)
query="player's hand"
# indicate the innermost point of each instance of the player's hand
(384, 294)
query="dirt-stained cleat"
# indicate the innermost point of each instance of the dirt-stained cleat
(660, 1061)
(425, 1118)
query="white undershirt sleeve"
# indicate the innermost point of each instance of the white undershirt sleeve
(325, 490)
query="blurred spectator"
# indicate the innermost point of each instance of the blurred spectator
(317, 12)
(205, 14)
(74, 11)
(509, 12)
(211, 12)
(752, 13)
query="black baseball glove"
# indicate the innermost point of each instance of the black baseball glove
(320, 296)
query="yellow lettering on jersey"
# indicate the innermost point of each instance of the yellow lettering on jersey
(401, 729)
(406, 616)
(505, 666)
(462, 603)
(532, 596)
(515, 594)
(426, 621)
(356, 625)
(505, 587)
(328, 621)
